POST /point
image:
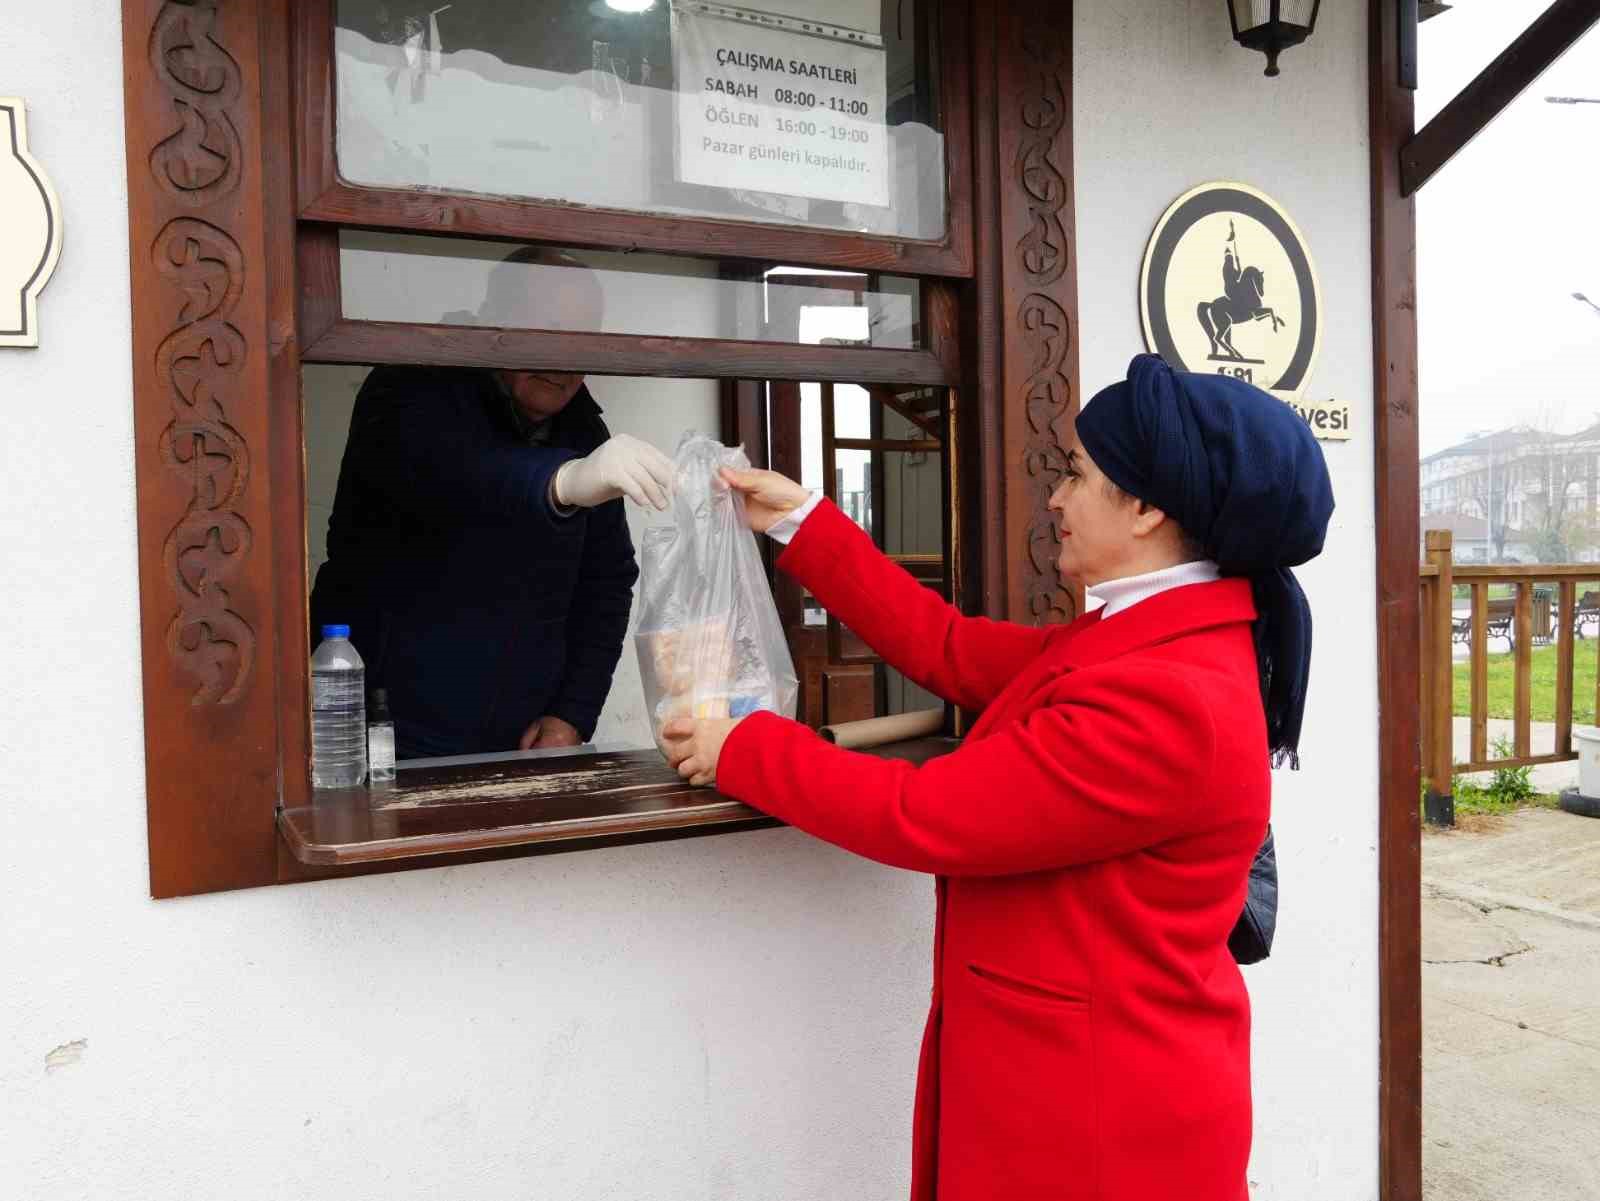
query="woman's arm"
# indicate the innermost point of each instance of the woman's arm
(967, 660)
(962, 659)
(1119, 763)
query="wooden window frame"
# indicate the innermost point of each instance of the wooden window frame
(233, 286)
(326, 198)
(328, 336)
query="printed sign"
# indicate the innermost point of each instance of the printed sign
(30, 230)
(1328, 419)
(1228, 287)
(779, 104)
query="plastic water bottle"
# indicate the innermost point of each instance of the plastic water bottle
(338, 712)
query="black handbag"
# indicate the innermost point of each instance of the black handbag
(1251, 940)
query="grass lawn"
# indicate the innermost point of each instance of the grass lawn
(1462, 592)
(1474, 799)
(1502, 670)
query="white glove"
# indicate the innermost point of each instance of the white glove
(624, 466)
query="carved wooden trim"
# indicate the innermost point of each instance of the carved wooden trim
(200, 361)
(1026, 299)
(199, 364)
(200, 382)
(1042, 320)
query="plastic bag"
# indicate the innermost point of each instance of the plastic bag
(709, 641)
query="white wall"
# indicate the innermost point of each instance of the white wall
(731, 1017)
(1164, 100)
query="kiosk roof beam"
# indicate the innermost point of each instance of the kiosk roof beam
(1501, 82)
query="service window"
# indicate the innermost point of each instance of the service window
(479, 622)
(502, 635)
(354, 221)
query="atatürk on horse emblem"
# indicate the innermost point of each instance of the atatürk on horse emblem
(1244, 291)
(1266, 325)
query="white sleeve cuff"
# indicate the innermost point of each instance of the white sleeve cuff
(785, 527)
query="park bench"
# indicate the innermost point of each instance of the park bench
(1498, 618)
(1501, 615)
(1586, 613)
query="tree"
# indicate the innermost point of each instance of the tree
(1559, 471)
(1485, 488)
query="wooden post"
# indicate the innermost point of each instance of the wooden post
(1480, 672)
(1523, 625)
(1391, 113)
(1425, 661)
(1564, 649)
(1439, 806)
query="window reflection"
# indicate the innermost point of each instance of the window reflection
(816, 113)
(455, 281)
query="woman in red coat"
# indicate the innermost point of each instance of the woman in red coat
(1090, 1033)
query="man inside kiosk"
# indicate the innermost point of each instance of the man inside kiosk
(478, 548)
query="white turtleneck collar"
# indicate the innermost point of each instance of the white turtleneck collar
(1117, 595)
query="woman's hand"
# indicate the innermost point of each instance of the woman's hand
(768, 495)
(694, 746)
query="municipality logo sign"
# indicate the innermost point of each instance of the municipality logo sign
(30, 229)
(1228, 287)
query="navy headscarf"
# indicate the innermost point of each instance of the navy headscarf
(1240, 472)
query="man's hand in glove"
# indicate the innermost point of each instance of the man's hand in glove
(624, 466)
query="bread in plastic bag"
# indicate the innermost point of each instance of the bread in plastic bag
(709, 641)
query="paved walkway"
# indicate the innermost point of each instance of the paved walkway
(1551, 777)
(1511, 1010)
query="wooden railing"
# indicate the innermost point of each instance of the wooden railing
(1522, 620)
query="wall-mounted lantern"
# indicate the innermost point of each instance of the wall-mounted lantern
(1272, 26)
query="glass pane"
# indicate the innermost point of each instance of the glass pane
(476, 616)
(815, 113)
(913, 484)
(903, 696)
(852, 418)
(900, 500)
(453, 281)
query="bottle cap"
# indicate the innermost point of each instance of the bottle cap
(336, 631)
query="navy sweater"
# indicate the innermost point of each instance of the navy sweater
(475, 604)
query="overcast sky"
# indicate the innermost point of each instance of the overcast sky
(1506, 232)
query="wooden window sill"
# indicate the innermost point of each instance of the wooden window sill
(587, 800)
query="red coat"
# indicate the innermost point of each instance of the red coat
(1090, 1033)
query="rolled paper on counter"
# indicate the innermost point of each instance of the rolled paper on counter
(876, 731)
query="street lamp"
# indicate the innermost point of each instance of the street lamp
(1272, 26)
